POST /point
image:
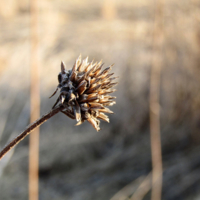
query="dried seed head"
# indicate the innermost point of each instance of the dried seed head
(84, 91)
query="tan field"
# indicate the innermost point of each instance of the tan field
(76, 162)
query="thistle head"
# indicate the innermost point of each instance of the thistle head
(84, 91)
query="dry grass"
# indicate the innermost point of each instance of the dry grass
(96, 166)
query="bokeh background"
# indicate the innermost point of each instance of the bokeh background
(78, 163)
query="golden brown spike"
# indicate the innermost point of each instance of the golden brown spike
(95, 80)
(82, 66)
(84, 107)
(94, 123)
(83, 98)
(109, 103)
(89, 98)
(73, 76)
(63, 67)
(57, 101)
(111, 79)
(110, 97)
(111, 85)
(103, 100)
(89, 67)
(80, 122)
(96, 105)
(92, 90)
(90, 71)
(97, 65)
(76, 64)
(103, 117)
(106, 110)
(107, 91)
(105, 83)
(92, 86)
(77, 111)
(108, 76)
(82, 78)
(54, 93)
(92, 95)
(92, 99)
(97, 71)
(104, 73)
(82, 87)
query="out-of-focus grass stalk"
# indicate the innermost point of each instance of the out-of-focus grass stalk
(141, 186)
(34, 100)
(128, 190)
(109, 9)
(154, 102)
(143, 189)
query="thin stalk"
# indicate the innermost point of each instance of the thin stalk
(143, 189)
(156, 151)
(109, 9)
(34, 101)
(29, 129)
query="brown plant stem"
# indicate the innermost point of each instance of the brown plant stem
(29, 129)
(154, 100)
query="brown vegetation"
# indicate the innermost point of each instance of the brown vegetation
(77, 162)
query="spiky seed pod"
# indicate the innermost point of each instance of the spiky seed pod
(84, 91)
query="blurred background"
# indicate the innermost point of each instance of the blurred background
(76, 162)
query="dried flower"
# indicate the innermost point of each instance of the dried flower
(84, 92)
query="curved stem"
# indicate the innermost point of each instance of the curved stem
(29, 129)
